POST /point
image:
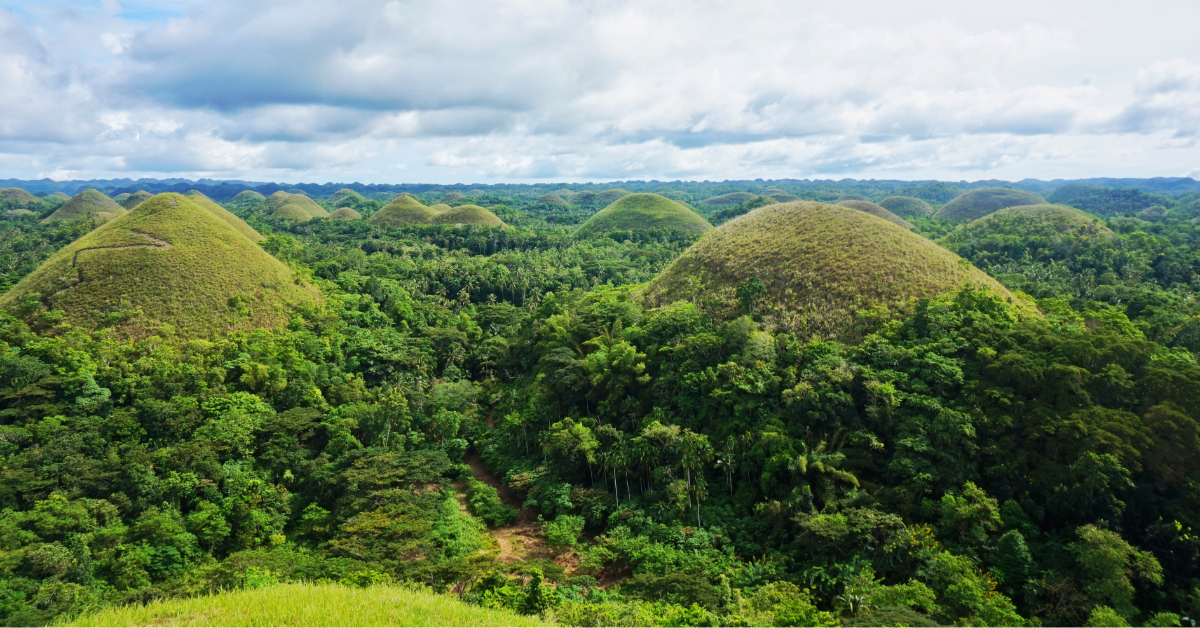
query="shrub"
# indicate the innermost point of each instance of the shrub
(563, 532)
(484, 502)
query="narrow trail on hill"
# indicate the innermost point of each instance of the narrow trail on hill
(156, 243)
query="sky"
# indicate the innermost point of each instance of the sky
(486, 91)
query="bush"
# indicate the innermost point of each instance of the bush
(563, 532)
(484, 502)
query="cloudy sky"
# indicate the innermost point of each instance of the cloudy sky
(532, 90)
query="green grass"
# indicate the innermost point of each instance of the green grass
(62, 195)
(171, 261)
(345, 213)
(1027, 221)
(439, 208)
(611, 196)
(275, 200)
(304, 203)
(19, 213)
(309, 605)
(292, 212)
(851, 197)
(820, 263)
(224, 214)
(553, 199)
(636, 212)
(452, 197)
(976, 204)
(120, 197)
(784, 197)
(18, 199)
(467, 215)
(248, 197)
(907, 206)
(876, 210)
(87, 202)
(735, 198)
(402, 210)
(346, 198)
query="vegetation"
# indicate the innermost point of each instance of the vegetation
(1104, 201)
(496, 420)
(876, 210)
(171, 268)
(310, 605)
(347, 198)
(299, 202)
(401, 211)
(467, 215)
(13, 199)
(983, 201)
(818, 266)
(637, 212)
(226, 215)
(292, 213)
(345, 213)
(87, 204)
(137, 198)
(733, 198)
(907, 206)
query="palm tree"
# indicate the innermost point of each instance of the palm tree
(818, 463)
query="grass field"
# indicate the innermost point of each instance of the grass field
(876, 210)
(644, 211)
(976, 204)
(224, 214)
(309, 605)
(820, 265)
(907, 206)
(467, 215)
(400, 211)
(171, 261)
(345, 213)
(86, 203)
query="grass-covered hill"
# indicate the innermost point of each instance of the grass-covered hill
(818, 265)
(133, 200)
(733, 198)
(439, 208)
(907, 206)
(310, 605)
(876, 210)
(224, 214)
(171, 261)
(401, 211)
(553, 200)
(1030, 221)
(90, 203)
(300, 201)
(452, 197)
(292, 212)
(467, 215)
(19, 213)
(980, 202)
(346, 198)
(17, 198)
(851, 197)
(62, 195)
(344, 213)
(637, 212)
(247, 197)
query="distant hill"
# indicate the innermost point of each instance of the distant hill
(1104, 201)
(247, 197)
(171, 261)
(733, 198)
(467, 215)
(346, 198)
(225, 214)
(553, 200)
(907, 206)
(983, 201)
(876, 210)
(88, 203)
(16, 198)
(137, 198)
(636, 212)
(309, 605)
(1031, 221)
(291, 212)
(820, 264)
(401, 211)
(452, 197)
(345, 213)
(299, 201)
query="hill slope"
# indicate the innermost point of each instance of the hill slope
(402, 210)
(226, 215)
(976, 204)
(876, 210)
(907, 206)
(345, 213)
(87, 203)
(733, 198)
(820, 264)
(636, 212)
(135, 199)
(467, 215)
(304, 203)
(346, 198)
(1031, 221)
(17, 198)
(173, 261)
(309, 605)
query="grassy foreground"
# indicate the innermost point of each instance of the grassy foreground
(309, 605)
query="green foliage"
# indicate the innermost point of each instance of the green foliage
(1105, 201)
(89, 204)
(563, 532)
(638, 212)
(466, 215)
(907, 206)
(980, 202)
(485, 503)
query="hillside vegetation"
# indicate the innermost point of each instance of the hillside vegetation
(876, 210)
(309, 605)
(907, 206)
(818, 265)
(345, 213)
(639, 212)
(402, 211)
(224, 214)
(171, 261)
(983, 201)
(87, 204)
(733, 198)
(17, 198)
(346, 198)
(1032, 221)
(1105, 201)
(467, 215)
(133, 200)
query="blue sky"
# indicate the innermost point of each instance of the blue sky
(534, 90)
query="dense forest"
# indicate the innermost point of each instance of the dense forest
(496, 412)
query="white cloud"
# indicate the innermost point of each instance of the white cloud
(552, 89)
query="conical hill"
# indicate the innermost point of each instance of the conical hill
(302, 202)
(402, 210)
(137, 198)
(467, 215)
(224, 214)
(90, 203)
(17, 198)
(907, 206)
(983, 201)
(345, 213)
(346, 198)
(820, 265)
(639, 212)
(876, 210)
(170, 262)
(1030, 221)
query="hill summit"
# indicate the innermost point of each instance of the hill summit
(172, 261)
(983, 201)
(467, 215)
(638, 212)
(819, 264)
(1031, 221)
(400, 211)
(88, 203)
